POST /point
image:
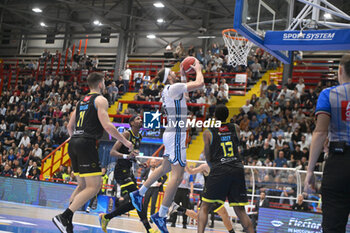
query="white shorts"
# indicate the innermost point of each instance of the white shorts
(175, 147)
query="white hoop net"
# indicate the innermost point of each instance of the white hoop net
(238, 48)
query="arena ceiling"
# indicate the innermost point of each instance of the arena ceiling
(186, 18)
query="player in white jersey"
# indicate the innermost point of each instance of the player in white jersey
(174, 139)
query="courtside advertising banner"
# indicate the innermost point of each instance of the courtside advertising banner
(338, 39)
(287, 221)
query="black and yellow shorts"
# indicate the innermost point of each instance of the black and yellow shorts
(127, 183)
(226, 182)
(84, 157)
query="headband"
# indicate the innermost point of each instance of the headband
(166, 74)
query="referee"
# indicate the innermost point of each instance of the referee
(333, 120)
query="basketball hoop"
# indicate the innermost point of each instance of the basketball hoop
(238, 47)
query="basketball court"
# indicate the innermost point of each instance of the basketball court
(25, 218)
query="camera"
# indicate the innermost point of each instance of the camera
(202, 30)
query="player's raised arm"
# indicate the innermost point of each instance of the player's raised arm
(102, 107)
(199, 82)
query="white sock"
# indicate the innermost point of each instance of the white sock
(143, 190)
(163, 211)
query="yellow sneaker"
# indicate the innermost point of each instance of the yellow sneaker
(103, 222)
(153, 230)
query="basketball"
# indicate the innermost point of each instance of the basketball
(186, 65)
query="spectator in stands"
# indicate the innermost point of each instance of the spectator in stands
(35, 174)
(214, 87)
(169, 47)
(247, 106)
(215, 49)
(262, 202)
(289, 190)
(303, 143)
(126, 78)
(138, 82)
(253, 100)
(266, 152)
(222, 97)
(300, 205)
(146, 79)
(10, 139)
(113, 93)
(271, 141)
(19, 173)
(263, 99)
(37, 152)
(191, 51)
(290, 84)
(245, 122)
(25, 140)
(200, 56)
(300, 86)
(179, 51)
(261, 116)
(225, 86)
(281, 160)
(58, 176)
(256, 69)
(272, 90)
(286, 92)
(95, 63)
(47, 146)
(7, 171)
(120, 85)
(254, 123)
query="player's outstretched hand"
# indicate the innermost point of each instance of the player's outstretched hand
(129, 145)
(197, 66)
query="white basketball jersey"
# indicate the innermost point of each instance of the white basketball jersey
(176, 110)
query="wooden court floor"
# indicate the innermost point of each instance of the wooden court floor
(24, 218)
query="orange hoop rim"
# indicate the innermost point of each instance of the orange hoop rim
(232, 37)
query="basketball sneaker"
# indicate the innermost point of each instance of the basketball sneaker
(103, 222)
(153, 230)
(173, 208)
(136, 200)
(160, 222)
(63, 224)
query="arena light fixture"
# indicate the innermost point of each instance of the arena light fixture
(327, 16)
(97, 22)
(151, 36)
(43, 24)
(160, 20)
(158, 4)
(248, 18)
(37, 10)
(206, 37)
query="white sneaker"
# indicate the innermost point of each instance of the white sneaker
(87, 210)
(173, 208)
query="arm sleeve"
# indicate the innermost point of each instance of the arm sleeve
(191, 178)
(323, 105)
(177, 89)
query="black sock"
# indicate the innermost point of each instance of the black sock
(146, 225)
(181, 209)
(232, 231)
(68, 214)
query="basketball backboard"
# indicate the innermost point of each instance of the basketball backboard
(279, 28)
